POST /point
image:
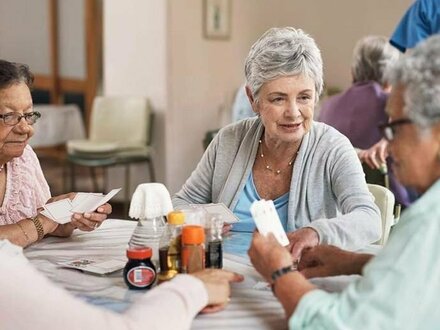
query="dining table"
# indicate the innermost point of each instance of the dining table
(252, 304)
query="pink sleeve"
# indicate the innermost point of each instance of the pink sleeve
(29, 300)
(26, 188)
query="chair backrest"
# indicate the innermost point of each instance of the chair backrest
(384, 199)
(125, 120)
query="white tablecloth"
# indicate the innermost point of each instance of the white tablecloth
(252, 304)
(57, 125)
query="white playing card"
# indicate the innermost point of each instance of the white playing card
(59, 211)
(219, 208)
(93, 202)
(267, 220)
(81, 197)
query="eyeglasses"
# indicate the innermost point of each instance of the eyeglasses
(13, 118)
(389, 129)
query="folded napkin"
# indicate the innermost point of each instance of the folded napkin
(150, 200)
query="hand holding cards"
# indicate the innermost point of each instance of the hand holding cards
(61, 211)
(267, 220)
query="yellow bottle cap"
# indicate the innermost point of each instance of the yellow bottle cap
(176, 218)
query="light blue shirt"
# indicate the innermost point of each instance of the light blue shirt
(247, 197)
(400, 287)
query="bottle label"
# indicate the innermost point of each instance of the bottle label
(141, 276)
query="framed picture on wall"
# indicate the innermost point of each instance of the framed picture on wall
(217, 19)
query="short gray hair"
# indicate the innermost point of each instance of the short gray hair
(372, 55)
(419, 73)
(283, 52)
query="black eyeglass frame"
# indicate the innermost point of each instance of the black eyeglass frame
(27, 116)
(388, 130)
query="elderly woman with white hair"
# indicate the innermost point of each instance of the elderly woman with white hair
(399, 288)
(308, 169)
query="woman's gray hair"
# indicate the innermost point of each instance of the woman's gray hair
(419, 73)
(14, 73)
(283, 52)
(372, 55)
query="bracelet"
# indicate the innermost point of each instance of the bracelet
(38, 227)
(280, 272)
(283, 271)
(24, 232)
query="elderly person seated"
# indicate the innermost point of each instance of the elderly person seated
(399, 288)
(30, 301)
(308, 169)
(23, 188)
(357, 111)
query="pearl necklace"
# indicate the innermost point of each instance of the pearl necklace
(277, 172)
(2, 167)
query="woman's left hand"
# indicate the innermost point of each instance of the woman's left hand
(267, 255)
(301, 239)
(91, 221)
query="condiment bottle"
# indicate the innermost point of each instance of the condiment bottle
(214, 248)
(139, 272)
(193, 249)
(170, 246)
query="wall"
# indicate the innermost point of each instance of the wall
(204, 74)
(135, 53)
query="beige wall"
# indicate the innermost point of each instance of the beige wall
(157, 49)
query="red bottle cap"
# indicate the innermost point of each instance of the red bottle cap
(140, 253)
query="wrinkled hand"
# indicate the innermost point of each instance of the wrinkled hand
(82, 221)
(267, 255)
(217, 282)
(226, 228)
(327, 260)
(376, 155)
(301, 239)
(91, 221)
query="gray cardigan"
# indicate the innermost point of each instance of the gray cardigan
(327, 192)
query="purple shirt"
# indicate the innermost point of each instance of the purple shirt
(357, 112)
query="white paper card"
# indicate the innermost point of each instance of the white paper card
(267, 220)
(93, 202)
(219, 208)
(94, 266)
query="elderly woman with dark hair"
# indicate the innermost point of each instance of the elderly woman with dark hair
(357, 111)
(308, 169)
(23, 188)
(399, 288)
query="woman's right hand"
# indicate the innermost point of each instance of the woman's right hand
(217, 284)
(329, 260)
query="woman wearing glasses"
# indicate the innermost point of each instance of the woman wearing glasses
(23, 188)
(399, 288)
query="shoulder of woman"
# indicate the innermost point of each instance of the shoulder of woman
(240, 128)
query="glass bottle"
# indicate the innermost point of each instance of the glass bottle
(139, 272)
(148, 233)
(214, 245)
(170, 246)
(193, 249)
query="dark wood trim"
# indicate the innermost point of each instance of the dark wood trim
(65, 84)
(93, 42)
(54, 55)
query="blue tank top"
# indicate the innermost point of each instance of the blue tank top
(247, 197)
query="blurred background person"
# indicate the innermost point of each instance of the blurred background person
(358, 111)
